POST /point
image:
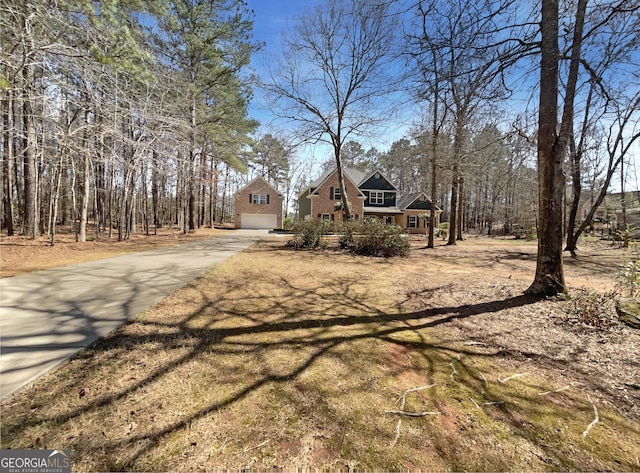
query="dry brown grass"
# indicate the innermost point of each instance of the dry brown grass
(20, 254)
(281, 359)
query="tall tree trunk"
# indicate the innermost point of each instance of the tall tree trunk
(461, 209)
(30, 168)
(84, 201)
(155, 175)
(434, 194)
(623, 199)
(7, 146)
(575, 155)
(55, 198)
(192, 219)
(455, 183)
(100, 181)
(455, 178)
(549, 277)
(144, 204)
(346, 205)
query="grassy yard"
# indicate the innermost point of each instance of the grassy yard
(281, 359)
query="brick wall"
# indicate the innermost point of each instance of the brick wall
(243, 205)
(322, 204)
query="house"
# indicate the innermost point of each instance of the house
(371, 195)
(609, 213)
(258, 205)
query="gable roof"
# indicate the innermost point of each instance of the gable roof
(367, 177)
(353, 175)
(406, 200)
(253, 181)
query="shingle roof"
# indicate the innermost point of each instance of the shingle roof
(353, 174)
(405, 200)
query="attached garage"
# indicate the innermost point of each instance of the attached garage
(261, 221)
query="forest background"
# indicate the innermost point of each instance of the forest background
(141, 114)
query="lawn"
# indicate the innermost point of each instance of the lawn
(280, 359)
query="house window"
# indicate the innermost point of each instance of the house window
(262, 199)
(325, 217)
(337, 195)
(412, 221)
(388, 220)
(376, 198)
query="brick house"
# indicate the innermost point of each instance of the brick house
(258, 205)
(371, 195)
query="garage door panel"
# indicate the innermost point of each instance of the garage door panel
(261, 221)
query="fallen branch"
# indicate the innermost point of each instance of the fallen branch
(453, 369)
(502, 381)
(395, 439)
(555, 391)
(262, 444)
(413, 414)
(486, 383)
(403, 399)
(475, 344)
(494, 403)
(474, 401)
(419, 388)
(595, 421)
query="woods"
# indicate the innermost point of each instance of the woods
(131, 114)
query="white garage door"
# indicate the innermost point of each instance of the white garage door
(268, 221)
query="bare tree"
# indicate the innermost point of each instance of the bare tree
(459, 58)
(331, 74)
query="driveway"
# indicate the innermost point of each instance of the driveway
(47, 316)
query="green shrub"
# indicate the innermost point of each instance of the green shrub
(625, 236)
(371, 237)
(309, 234)
(443, 230)
(288, 224)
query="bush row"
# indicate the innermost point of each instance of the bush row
(369, 237)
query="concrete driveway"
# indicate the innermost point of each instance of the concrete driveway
(47, 316)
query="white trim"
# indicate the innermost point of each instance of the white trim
(360, 194)
(259, 199)
(367, 177)
(379, 197)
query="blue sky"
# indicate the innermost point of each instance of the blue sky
(271, 18)
(274, 16)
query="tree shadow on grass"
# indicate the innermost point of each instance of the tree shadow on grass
(316, 321)
(241, 340)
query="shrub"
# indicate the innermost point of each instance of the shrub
(288, 224)
(371, 237)
(625, 236)
(309, 234)
(629, 278)
(443, 229)
(594, 308)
